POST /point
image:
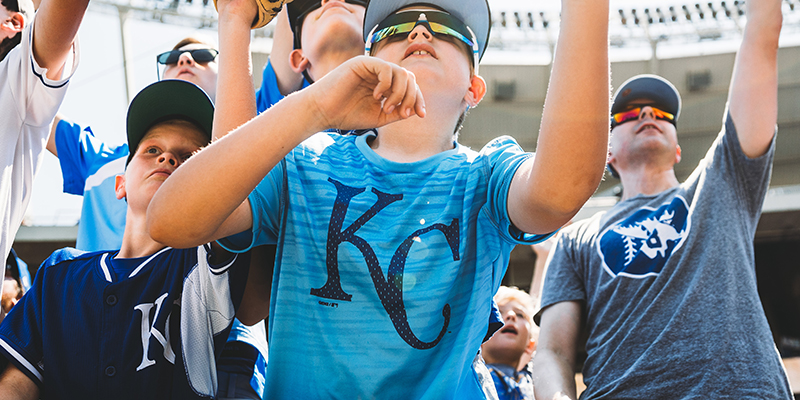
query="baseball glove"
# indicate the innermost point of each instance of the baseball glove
(267, 10)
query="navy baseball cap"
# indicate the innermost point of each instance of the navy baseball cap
(299, 9)
(473, 13)
(651, 87)
(166, 100)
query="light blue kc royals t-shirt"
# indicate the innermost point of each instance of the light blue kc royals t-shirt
(385, 271)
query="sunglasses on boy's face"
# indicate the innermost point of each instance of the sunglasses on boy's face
(437, 22)
(200, 56)
(633, 114)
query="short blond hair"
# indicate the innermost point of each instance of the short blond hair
(505, 294)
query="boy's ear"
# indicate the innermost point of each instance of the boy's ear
(17, 22)
(298, 62)
(531, 347)
(476, 91)
(678, 154)
(119, 187)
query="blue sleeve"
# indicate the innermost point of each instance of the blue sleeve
(80, 154)
(505, 157)
(265, 205)
(269, 94)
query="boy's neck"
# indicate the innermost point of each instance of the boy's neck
(415, 138)
(135, 240)
(330, 60)
(511, 362)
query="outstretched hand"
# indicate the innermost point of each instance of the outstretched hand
(365, 92)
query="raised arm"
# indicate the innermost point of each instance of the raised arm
(203, 200)
(753, 96)
(573, 139)
(553, 375)
(57, 23)
(236, 97)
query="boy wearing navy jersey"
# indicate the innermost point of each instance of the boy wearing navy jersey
(391, 244)
(145, 321)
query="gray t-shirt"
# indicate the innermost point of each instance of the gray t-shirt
(668, 285)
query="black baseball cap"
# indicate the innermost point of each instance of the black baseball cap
(299, 9)
(167, 100)
(473, 13)
(651, 87)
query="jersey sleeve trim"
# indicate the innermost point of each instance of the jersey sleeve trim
(69, 66)
(34, 373)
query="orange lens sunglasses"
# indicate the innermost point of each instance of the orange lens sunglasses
(632, 114)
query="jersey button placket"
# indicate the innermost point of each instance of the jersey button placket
(111, 300)
(110, 371)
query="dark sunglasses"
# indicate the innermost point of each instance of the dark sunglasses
(198, 55)
(633, 114)
(436, 22)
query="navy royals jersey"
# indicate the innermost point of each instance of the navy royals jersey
(144, 328)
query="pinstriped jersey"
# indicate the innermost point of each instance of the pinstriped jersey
(143, 328)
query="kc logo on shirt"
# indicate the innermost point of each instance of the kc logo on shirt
(640, 245)
(389, 287)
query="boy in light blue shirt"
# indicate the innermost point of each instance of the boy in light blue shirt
(391, 244)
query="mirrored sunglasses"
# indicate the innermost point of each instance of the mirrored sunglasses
(633, 114)
(198, 55)
(436, 22)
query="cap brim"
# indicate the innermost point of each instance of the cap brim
(165, 100)
(650, 87)
(474, 13)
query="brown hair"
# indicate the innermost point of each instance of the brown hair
(191, 40)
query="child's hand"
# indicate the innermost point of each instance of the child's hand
(365, 92)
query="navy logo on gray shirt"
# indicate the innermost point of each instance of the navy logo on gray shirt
(641, 244)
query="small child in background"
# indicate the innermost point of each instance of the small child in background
(515, 341)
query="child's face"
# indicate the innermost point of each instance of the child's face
(439, 60)
(163, 149)
(203, 74)
(514, 337)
